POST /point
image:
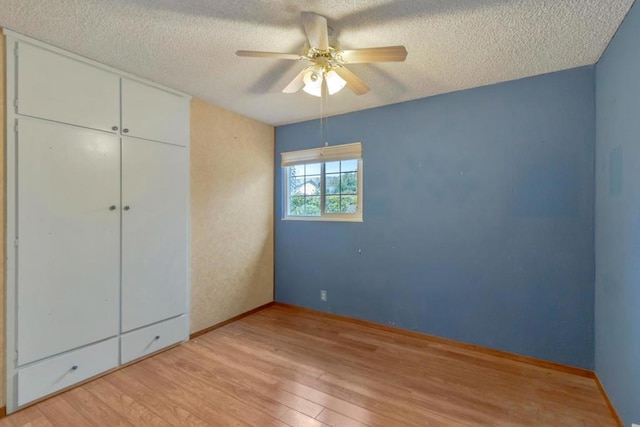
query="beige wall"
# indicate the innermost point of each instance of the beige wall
(231, 214)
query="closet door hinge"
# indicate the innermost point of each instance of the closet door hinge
(15, 103)
(15, 126)
(16, 242)
(15, 50)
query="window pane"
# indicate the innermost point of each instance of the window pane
(312, 186)
(333, 183)
(349, 165)
(349, 204)
(297, 186)
(332, 167)
(332, 204)
(313, 169)
(349, 183)
(312, 206)
(296, 170)
(296, 205)
(290, 174)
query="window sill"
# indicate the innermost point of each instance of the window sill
(323, 218)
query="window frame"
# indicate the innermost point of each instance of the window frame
(324, 216)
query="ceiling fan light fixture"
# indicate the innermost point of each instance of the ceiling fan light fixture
(313, 81)
(312, 90)
(335, 83)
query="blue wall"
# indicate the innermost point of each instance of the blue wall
(617, 330)
(478, 218)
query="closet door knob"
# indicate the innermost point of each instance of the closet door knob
(125, 130)
(126, 208)
(114, 127)
(112, 207)
(157, 338)
(74, 367)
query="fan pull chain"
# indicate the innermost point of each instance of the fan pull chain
(326, 108)
(321, 113)
(324, 99)
(322, 96)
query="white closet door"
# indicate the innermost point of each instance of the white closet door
(68, 230)
(155, 186)
(154, 114)
(59, 88)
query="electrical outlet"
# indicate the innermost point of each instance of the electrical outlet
(323, 295)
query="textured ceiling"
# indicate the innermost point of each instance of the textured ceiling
(190, 45)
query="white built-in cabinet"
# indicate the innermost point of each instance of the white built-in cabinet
(154, 242)
(97, 219)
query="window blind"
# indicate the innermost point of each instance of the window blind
(330, 153)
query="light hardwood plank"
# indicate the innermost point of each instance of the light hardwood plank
(183, 396)
(59, 412)
(155, 400)
(244, 387)
(85, 403)
(122, 403)
(334, 419)
(29, 417)
(296, 419)
(249, 407)
(284, 366)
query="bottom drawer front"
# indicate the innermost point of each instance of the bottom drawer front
(152, 338)
(62, 371)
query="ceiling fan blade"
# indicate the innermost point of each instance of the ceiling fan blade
(375, 54)
(277, 55)
(316, 28)
(296, 84)
(353, 82)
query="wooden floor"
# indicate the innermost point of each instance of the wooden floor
(288, 367)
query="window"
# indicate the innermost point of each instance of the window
(324, 183)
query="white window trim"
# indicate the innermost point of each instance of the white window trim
(323, 155)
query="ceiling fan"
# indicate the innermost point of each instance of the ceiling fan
(327, 71)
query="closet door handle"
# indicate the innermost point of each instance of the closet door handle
(126, 208)
(157, 338)
(125, 130)
(112, 207)
(74, 367)
(114, 127)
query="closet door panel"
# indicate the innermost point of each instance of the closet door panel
(68, 230)
(155, 185)
(54, 87)
(151, 113)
